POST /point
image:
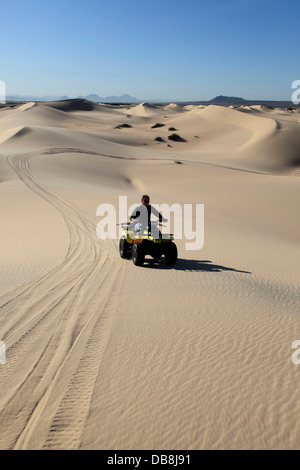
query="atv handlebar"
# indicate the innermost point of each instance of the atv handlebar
(126, 224)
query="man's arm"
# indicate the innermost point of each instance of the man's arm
(158, 214)
(135, 214)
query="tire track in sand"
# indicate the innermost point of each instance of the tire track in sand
(56, 330)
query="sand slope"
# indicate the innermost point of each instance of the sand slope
(105, 355)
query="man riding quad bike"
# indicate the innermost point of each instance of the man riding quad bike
(142, 237)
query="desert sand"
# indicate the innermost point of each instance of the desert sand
(101, 354)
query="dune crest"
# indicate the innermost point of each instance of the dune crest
(74, 105)
(26, 106)
(147, 109)
(260, 127)
(14, 132)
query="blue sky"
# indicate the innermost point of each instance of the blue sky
(174, 50)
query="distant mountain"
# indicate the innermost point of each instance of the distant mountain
(119, 99)
(227, 100)
(236, 101)
(92, 97)
(35, 98)
(111, 99)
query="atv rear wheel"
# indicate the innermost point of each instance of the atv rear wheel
(170, 254)
(124, 249)
(138, 254)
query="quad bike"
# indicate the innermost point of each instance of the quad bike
(138, 245)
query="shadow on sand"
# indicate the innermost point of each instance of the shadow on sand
(192, 265)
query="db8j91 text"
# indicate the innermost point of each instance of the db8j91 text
(174, 460)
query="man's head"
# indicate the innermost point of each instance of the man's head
(145, 200)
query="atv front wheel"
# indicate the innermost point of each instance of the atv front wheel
(124, 249)
(138, 254)
(170, 254)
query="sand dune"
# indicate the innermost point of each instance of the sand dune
(147, 109)
(14, 132)
(25, 106)
(102, 354)
(74, 105)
